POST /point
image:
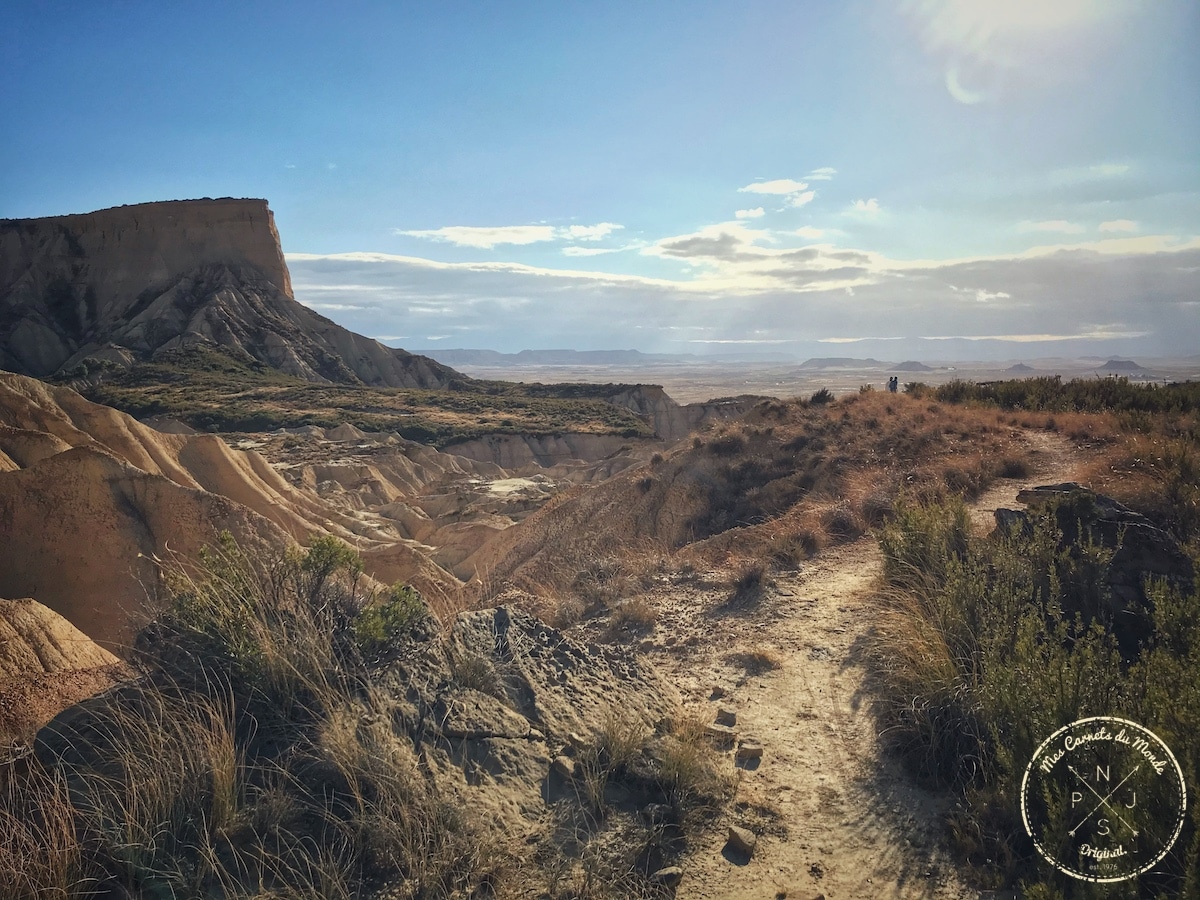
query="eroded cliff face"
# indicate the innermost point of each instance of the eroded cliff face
(126, 283)
(89, 498)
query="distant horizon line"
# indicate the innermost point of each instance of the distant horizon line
(1083, 360)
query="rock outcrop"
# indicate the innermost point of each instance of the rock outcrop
(46, 665)
(488, 707)
(124, 284)
(670, 421)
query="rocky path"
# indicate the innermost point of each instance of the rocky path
(835, 817)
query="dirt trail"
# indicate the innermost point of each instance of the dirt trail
(836, 817)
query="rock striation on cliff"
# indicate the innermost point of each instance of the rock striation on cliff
(127, 283)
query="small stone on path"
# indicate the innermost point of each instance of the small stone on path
(742, 839)
(749, 750)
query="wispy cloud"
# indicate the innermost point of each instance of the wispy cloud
(1109, 170)
(484, 237)
(1059, 225)
(589, 232)
(488, 237)
(1126, 225)
(590, 251)
(825, 173)
(778, 186)
(867, 209)
(801, 199)
(755, 213)
(807, 231)
(734, 278)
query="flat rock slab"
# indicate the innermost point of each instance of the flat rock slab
(749, 750)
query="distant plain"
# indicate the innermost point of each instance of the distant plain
(693, 381)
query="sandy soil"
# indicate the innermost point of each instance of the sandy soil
(836, 817)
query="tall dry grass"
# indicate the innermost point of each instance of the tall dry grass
(978, 657)
(253, 756)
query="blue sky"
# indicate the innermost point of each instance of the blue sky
(667, 176)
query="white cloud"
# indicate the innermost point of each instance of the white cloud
(778, 186)
(589, 232)
(755, 213)
(488, 237)
(825, 173)
(801, 199)
(485, 238)
(590, 251)
(1109, 170)
(1088, 335)
(734, 278)
(1119, 225)
(337, 307)
(869, 209)
(1059, 225)
(982, 296)
(807, 231)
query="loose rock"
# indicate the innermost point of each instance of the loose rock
(668, 877)
(749, 750)
(742, 840)
(564, 766)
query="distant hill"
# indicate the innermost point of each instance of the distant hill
(1020, 369)
(1121, 365)
(912, 366)
(841, 362)
(129, 283)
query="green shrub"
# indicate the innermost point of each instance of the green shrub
(977, 663)
(387, 622)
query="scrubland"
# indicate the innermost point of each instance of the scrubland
(251, 757)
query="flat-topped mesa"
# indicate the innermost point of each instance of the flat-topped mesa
(129, 283)
(122, 251)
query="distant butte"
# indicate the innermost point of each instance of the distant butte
(127, 283)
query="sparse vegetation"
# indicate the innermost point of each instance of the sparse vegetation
(636, 614)
(750, 583)
(212, 391)
(758, 661)
(1050, 393)
(252, 758)
(779, 486)
(979, 657)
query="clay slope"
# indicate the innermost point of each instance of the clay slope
(125, 283)
(89, 497)
(46, 665)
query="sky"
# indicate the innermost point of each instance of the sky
(814, 178)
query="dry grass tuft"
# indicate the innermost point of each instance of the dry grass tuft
(637, 615)
(758, 661)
